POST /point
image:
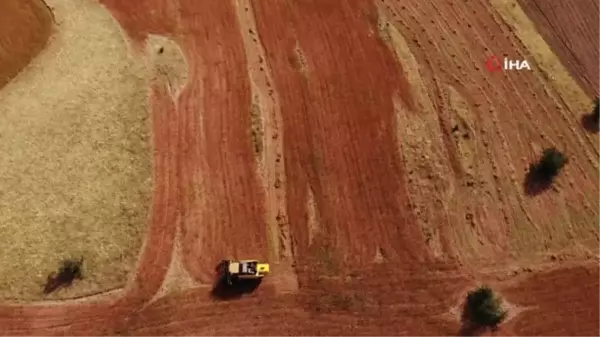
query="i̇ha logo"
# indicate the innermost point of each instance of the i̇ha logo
(495, 64)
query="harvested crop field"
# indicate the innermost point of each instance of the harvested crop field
(76, 165)
(369, 156)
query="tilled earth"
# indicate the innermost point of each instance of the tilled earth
(364, 149)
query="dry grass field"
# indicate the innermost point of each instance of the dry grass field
(360, 147)
(76, 165)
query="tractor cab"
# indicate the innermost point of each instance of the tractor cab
(244, 269)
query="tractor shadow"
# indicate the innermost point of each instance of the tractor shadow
(535, 182)
(224, 291)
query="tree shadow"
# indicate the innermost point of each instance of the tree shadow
(590, 122)
(468, 327)
(224, 289)
(54, 282)
(535, 181)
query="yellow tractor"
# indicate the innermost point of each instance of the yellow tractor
(243, 270)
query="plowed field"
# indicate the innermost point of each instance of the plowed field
(570, 27)
(365, 151)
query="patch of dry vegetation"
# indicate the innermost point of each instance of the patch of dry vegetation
(75, 158)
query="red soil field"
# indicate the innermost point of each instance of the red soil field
(577, 305)
(571, 28)
(364, 264)
(19, 42)
(336, 153)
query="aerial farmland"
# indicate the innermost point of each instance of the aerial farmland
(380, 159)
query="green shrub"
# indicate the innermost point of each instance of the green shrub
(595, 114)
(69, 271)
(484, 308)
(550, 164)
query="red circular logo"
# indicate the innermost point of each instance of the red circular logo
(493, 64)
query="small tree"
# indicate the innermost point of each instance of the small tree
(71, 270)
(67, 273)
(484, 309)
(591, 121)
(549, 165)
(595, 114)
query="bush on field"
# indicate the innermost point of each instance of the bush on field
(484, 309)
(549, 165)
(69, 271)
(595, 115)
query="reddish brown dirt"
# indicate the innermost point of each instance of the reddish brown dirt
(573, 298)
(572, 28)
(223, 203)
(25, 27)
(509, 118)
(336, 81)
(348, 160)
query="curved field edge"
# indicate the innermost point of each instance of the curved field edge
(25, 26)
